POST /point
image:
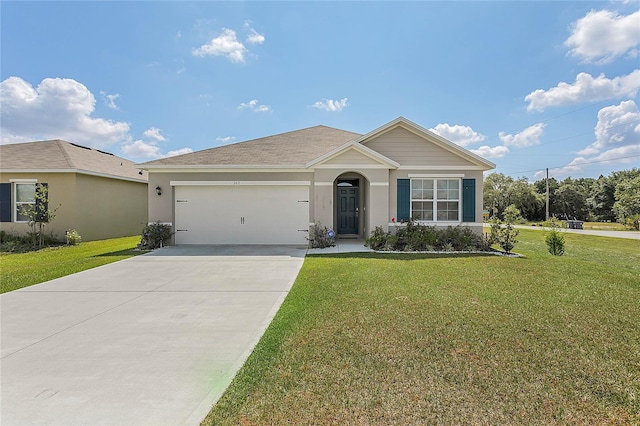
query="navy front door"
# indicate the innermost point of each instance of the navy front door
(348, 210)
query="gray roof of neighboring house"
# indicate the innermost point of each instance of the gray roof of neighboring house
(58, 155)
(291, 148)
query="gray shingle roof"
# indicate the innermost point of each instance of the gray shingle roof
(59, 155)
(286, 149)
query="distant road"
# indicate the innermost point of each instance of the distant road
(631, 235)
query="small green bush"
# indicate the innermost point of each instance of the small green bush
(155, 235)
(554, 239)
(377, 240)
(504, 234)
(72, 237)
(555, 243)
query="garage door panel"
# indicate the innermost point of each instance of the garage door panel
(241, 214)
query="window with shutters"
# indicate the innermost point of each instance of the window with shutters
(435, 200)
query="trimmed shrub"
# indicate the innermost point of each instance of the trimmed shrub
(155, 235)
(416, 237)
(377, 240)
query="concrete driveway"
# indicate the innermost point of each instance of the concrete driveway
(151, 340)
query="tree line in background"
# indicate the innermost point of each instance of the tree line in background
(612, 198)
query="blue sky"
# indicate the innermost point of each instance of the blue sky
(527, 85)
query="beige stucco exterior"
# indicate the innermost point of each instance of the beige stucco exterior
(401, 150)
(97, 207)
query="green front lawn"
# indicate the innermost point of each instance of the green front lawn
(470, 339)
(605, 226)
(600, 226)
(19, 270)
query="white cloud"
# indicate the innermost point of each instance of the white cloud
(56, 108)
(575, 166)
(460, 135)
(110, 100)
(226, 44)
(617, 140)
(585, 89)
(253, 106)
(331, 105)
(140, 149)
(149, 150)
(226, 139)
(250, 105)
(491, 152)
(254, 37)
(600, 36)
(180, 151)
(528, 137)
(154, 133)
(618, 125)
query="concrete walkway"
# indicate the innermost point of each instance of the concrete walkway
(343, 246)
(151, 340)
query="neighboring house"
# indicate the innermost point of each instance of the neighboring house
(98, 194)
(270, 190)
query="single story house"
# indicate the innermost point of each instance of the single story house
(96, 193)
(272, 189)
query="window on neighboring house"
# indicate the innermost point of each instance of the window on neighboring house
(435, 199)
(25, 197)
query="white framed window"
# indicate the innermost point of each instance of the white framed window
(435, 200)
(25, 196)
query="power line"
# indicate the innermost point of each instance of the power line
(586, 133)
(580, 164)
(491, 140)
(575, 110)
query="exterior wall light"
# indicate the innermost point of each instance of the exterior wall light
(158, 190)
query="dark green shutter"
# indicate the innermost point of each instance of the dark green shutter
(468, 200)
(42, 205)
(404, 199)
(5, 202)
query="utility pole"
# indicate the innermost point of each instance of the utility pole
(546, 215)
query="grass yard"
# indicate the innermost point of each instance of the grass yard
(414, 339)
(18, 270)
(598, 226)
(605, 226)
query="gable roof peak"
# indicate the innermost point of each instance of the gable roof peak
(58, 155)
(430, 136)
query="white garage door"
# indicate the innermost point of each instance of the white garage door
(242, 214)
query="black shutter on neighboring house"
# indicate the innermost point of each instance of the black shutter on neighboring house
(404, 200)
(468, 200)
(42, 206)
(5, 202)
